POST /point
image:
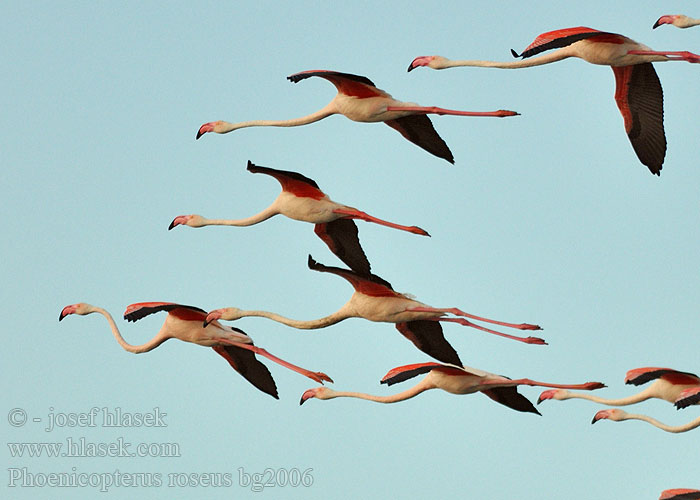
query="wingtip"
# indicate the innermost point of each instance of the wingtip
(515, 54)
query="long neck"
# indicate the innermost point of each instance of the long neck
(423, 385)
(635, 398)
(152, 344)
(557, 55)
(249, 221)
(668, 428)
(328, 110)
(313, 324)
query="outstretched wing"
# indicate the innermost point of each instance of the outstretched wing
(561, 38)
(688, 397)
(371, 284)
(510, 397)
(403, 373)
(420, 131)
(245, 363)
(135, 312)
(346, 83)
(640, 376)
(341, 237)
(640, 99)
(427, 336)
(292, 182)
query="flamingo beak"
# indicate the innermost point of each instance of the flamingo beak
(307, 395)
(207, 127)
(212, 316)
(602, 414)
(66, 311)
(418, 62)
(180, 219)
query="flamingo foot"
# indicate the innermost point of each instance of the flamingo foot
(320, 377)
(534, 340)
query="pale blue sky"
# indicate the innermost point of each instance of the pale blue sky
(545, 218)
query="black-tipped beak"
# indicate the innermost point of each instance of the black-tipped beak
(61, 316)
(539, 400)
(172, 225)
(411, 67)
(594, 420)
(301, 401)
(656, 25)
(199, 134)
(205, 324)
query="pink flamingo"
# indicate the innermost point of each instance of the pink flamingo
(678, 20)
(452, 379)
(302, 199)
(680, 494)
(185, 323)
(638, 91)
(360, 100)
(617, 415)
(375, 300)
(668, 385)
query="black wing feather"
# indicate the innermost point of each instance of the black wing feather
(341, 236)
(308, 74)
(142, 312)
(510, 397)
(245, 363)
(427, 336)
(420, 131)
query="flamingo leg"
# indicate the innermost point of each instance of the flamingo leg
(442, 111)
(682, 55)
(458, 312)
(357, 214)
(316, 376)
(466, 322)
(588, 386)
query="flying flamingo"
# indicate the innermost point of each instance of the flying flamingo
(185, 323)
(302, 199)
(638, 91)
(360, 100)
(680, 494)
(668, 385)
(617, 415)
(375, 300)
(679, 21)
(452, 379)
(688, 398)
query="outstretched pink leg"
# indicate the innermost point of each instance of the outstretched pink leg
(682, 55)
(466, 322)
(316, 376)
(432, 110)
(458, 312)
(357, 214)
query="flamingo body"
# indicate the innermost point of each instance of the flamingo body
(374, 299)
(360, 100)
(638, 92)
(185, 323)
(301, 199)
(452, 379)
(668, 385)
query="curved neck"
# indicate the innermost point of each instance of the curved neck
(328, 110)
(635, 398)
(152, 344)
(313, 324)
(668, 428)
(422, 386)
(249, 221)
(557, 55)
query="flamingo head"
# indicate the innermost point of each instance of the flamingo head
(80, 309)
(434, 62)
(318, 393)
(664, 20)
(225, 313)
(187, 220)
(551, 394)
(220, 127)
(614, 414)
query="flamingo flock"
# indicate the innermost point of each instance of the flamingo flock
(639, 97)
